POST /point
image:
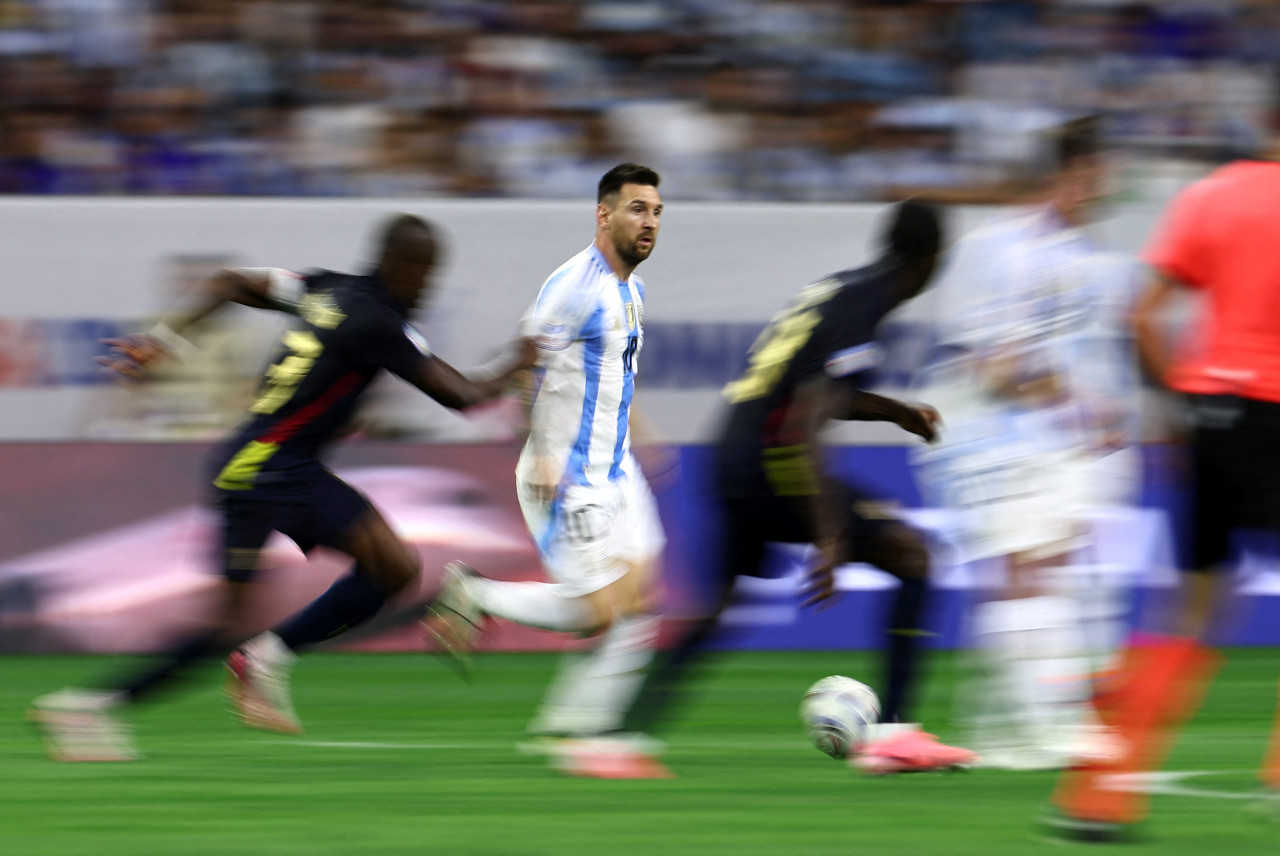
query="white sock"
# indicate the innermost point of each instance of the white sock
(268, 648)
(1036, 650)
(593, 690)
(532, 604)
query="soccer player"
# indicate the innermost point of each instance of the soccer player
(1030, 412)
(584, 498)
(269, 475)
(1217, 240)
(803, 372)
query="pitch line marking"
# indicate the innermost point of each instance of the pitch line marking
(779, 745)
(1168, 783)
(361, 744)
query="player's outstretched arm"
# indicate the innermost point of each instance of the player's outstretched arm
(130, 355)
(797, 471)
(458, 391)
(1146, 323)
(862, 406)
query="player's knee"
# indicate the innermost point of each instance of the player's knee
(903, 553)
(407, 566)
(397, 569)
(600, 615)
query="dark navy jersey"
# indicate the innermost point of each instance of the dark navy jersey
(828, 328)
(349, 329)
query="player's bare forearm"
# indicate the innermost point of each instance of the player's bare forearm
(458, 391)
(130, 356)
(225, 286)
(861, 406)
(1148, 312)
(831, 544)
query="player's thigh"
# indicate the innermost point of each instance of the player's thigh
(338, 516)
(595, 536)
(750, 523)
(1235, 484)
(638, 535)
(245, 525)
(878, 536)
(1030, 503)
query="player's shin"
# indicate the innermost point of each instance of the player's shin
(903, 649)
(594, 691)
(349, 602)
(1037, 671)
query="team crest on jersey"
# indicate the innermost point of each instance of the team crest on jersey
(631, 315)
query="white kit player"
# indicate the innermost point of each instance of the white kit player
(585, 501)
(1035, 397)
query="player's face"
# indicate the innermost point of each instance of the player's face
(409, 270)
(1081, 187)
(632, 222)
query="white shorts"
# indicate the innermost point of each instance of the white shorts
(591, 536)
(1031, 504)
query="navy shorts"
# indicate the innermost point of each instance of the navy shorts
(1235, 471)
(751, 522)
(314, 508)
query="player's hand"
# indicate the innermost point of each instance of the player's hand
(526, 349)
(544, 481)
(130, 355)
(921, 420)
(820, 583)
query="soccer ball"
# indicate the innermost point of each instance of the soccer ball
(838, 713)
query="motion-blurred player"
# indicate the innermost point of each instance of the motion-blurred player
(269, 477)
(1217, 239)
(803, 372)
(1038, 418)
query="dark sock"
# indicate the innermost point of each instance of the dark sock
(903, 648)
(173, 665)
(350, 601)
(659, 693)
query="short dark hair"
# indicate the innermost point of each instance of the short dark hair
(625, 173)
(1077, 138)
(402, 228)
(914, 233)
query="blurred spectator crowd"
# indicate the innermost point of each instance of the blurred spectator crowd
(730, 99)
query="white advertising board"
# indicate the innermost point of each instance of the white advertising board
(77, 269)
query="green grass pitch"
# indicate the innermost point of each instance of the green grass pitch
(402, 758)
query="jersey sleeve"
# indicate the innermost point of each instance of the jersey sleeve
(558, 316)
(1178, 245)
(285, 288)
(381, 338)
(840, 348)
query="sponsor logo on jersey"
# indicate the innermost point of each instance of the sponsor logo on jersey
(554, 337)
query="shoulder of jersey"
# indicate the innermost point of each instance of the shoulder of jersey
(582, 272)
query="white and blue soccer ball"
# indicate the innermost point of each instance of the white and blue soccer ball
(838, 713)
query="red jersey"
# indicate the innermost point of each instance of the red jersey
(1221, 236)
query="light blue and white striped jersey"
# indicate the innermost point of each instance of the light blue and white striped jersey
(1036, 289)
(589, 327)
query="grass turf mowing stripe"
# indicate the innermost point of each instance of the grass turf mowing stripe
(210, 787)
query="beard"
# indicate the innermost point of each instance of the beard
(632, 254)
